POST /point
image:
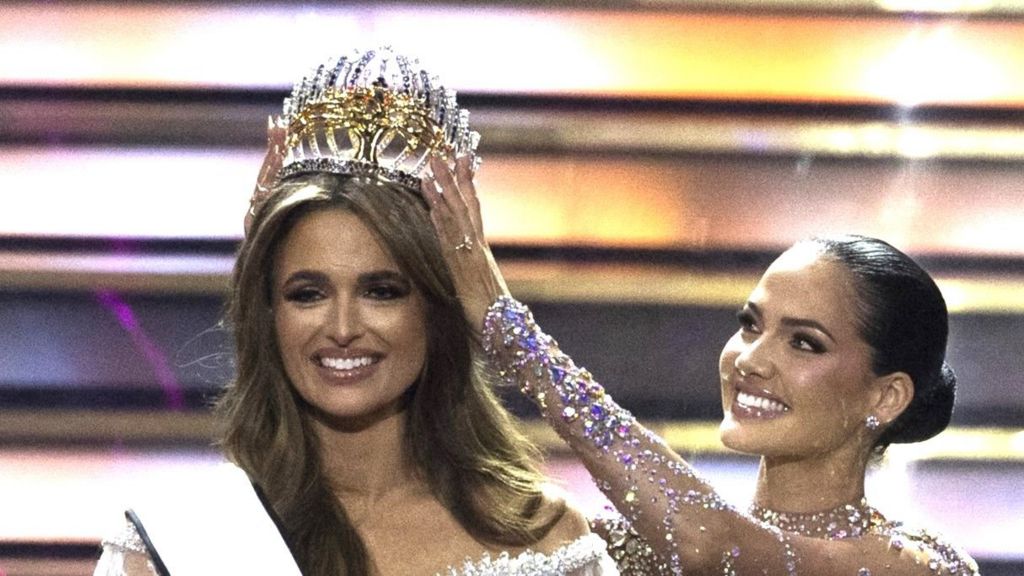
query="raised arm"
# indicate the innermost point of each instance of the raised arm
(691, 529)
(689, 526)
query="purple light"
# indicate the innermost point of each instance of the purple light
(174, 396)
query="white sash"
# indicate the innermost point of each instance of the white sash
(214, 528)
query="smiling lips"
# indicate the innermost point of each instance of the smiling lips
(347, 368)
(747, 405)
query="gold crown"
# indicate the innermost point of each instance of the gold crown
(373, 113)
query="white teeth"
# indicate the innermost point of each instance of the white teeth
(346, 363)
(751, 401)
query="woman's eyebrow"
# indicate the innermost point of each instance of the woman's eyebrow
(807, 323)
(383, 276)
(304, 276)
(794, 322)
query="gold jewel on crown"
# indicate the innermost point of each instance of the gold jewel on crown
(373, 114)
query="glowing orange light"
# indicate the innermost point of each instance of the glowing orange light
(731, 56)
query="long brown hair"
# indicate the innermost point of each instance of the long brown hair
(459, 436)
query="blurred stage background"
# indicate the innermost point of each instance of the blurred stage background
(643, 161)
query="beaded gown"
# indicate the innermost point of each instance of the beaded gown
(672, 521)
(126, 555)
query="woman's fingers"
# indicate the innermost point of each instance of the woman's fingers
(455, 212)
(276, 131)
(274, 158)
(459, 226)
(447, 226)
(467, 189)
(440, 214)
(449, 188)
(458, 191)
(272, 162)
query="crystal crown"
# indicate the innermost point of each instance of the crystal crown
(374, 113)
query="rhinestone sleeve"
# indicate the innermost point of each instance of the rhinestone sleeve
(688, 526)
(632, 554)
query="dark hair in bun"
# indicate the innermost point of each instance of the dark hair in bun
(903, 318)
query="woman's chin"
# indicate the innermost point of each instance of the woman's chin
(735, 437)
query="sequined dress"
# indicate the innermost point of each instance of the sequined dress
(126, 555)
(672, 521)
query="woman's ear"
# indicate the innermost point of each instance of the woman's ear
(893, 394)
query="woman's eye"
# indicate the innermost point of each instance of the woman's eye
(807, 344)
(387, 292)
(747, 321)
(304, 295)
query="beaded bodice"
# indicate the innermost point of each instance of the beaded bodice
(672, 521)
(126, 555)
(858, 519)
(584, 557)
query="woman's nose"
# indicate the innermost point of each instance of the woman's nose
(345, 324)
(755, 359)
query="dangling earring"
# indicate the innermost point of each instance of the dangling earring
(872, 422)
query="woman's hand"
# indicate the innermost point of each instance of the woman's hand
(276, 134)
(455, 211)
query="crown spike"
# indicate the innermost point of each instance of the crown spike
(408, 77)
(425, 86)
(362, 67)
(347, 80)
(332, 78)
(318, 83)
(303, 93)
(382, 67)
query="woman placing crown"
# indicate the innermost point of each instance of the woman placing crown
(839, 352)
(363, 438)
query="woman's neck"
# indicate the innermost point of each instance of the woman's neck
(367, 465)
(810, 484)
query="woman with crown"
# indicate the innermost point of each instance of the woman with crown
(839, 352)
(362, 436)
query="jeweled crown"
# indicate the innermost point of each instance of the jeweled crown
(374, 113)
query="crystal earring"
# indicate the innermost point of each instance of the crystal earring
(872, 422)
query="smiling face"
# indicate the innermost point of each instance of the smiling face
(796, 377)
(350, 325)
